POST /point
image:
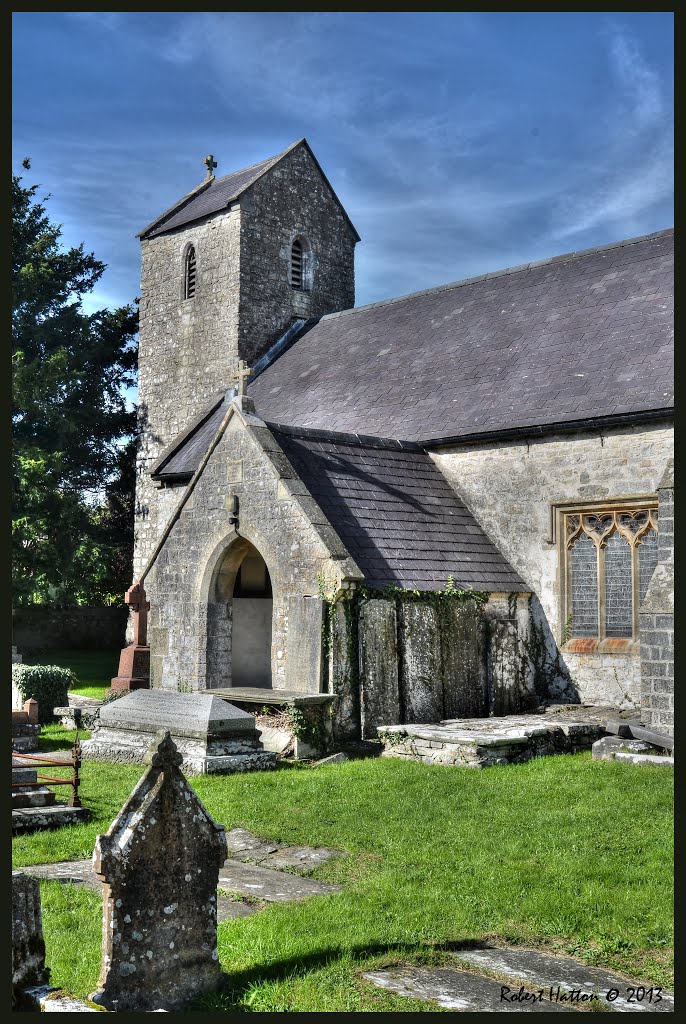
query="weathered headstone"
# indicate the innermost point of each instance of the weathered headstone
(159, 863)
(213, 736)
(28, 947)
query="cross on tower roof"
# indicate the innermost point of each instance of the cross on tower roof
(241, 376)
(210, 163)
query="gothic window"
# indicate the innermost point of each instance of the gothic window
(297, 265)
(189, 273)
(610, 555)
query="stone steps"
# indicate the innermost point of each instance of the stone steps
(32, 819)
(36, 796)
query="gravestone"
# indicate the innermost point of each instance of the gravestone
(213, 736)
(28, 947)
(159, 864)
(25, 727)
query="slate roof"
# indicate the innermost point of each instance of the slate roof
(208, 199)
(580, 336)
(396, 513)
(181, 459)
(215, 197)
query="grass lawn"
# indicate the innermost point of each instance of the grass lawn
(562, 852)
(93, 669)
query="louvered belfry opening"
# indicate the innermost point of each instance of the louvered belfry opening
(189, 286)
(297, 264)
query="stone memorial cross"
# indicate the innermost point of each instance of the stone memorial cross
(159, 863)
(136, 598)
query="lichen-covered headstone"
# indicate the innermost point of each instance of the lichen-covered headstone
(28, 947)
(159, 863)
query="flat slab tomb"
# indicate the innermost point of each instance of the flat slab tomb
(483, 742)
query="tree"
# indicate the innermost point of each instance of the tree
(72, 451)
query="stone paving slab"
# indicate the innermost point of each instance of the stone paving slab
(271, 886)
(244, 879)
(524, 979)
(537, 969)
(78, 871)
(453, 990)
(230, 910)
(245, 846)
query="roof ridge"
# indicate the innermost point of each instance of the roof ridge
(562, 258)
(344, 437)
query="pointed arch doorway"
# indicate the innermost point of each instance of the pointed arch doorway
(244, 587)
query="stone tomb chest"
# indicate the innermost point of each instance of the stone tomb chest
(213, 736)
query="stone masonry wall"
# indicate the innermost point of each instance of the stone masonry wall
(190, 620)
(657, 621)
(291, 201)
(510, 486)
(187, 352)
(40, 627)
(396, 661)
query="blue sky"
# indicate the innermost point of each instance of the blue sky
(458, 143)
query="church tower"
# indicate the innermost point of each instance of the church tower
(225, 272)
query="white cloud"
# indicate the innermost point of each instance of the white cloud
(631, 175)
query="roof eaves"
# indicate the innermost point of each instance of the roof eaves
(181, 438)
(557, 427)
(198, 190)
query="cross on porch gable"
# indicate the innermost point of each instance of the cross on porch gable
(241, 376)
(210, 163)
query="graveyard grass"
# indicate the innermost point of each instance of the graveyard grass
(563, 853)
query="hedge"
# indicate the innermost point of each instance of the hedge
(48, 684)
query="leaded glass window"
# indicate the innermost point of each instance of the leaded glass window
(610, 556)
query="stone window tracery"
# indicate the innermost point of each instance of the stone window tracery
(610, 555)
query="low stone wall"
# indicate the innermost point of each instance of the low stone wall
(41, 627)
(394, 660)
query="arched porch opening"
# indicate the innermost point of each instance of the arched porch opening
(243, 592)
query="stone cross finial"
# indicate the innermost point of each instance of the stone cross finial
(163, 752)
(242, 375)
(210, 163)
(136, 598)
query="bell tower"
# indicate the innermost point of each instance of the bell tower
(225, 272)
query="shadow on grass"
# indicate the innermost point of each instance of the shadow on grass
(237, 985)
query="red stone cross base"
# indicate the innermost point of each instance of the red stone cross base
(134, 660)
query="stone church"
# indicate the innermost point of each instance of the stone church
(454, 503)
